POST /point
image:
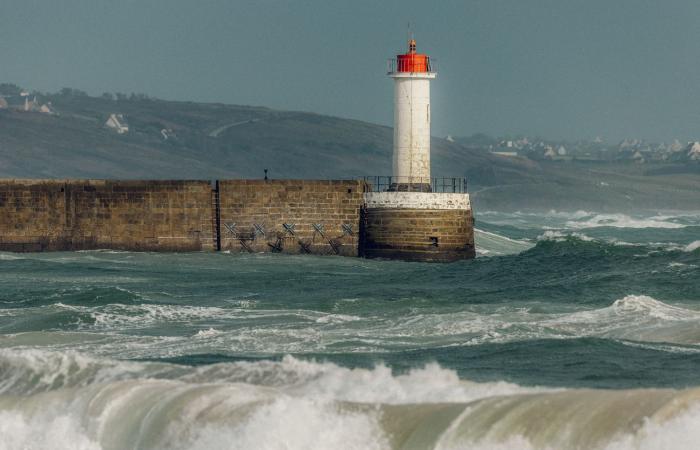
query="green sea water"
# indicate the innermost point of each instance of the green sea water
(570, 330)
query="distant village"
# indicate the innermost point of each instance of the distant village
(24, 101)
(636, 151)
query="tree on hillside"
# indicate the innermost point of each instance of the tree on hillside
(70, 92)
(136, 97)
(9, 89)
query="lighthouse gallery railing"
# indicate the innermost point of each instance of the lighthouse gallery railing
(457, 185)
(394, 65)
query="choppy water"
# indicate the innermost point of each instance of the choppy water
(571, 330)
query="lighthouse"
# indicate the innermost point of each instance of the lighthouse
(412, 73)
(414, 216)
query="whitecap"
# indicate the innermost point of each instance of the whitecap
(692, 246)
(295, 404)
(560, 236)
(493, 244)
(624, 221)
(211, 332)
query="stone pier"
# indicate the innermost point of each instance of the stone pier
(325, 217)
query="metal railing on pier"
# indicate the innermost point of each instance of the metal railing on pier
(457, 185)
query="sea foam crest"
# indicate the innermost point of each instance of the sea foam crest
(637, 318)
(58, 432)
(560, 236)
(31, 371)
(651, 307)
(692, 246)
(493, 244)
(624, 221)
(295, 404)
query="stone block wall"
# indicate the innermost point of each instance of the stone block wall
(39, 215)
(439, 235)
(291, 216)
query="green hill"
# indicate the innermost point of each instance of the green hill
(207, 141)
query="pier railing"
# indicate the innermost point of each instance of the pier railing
(378, 183)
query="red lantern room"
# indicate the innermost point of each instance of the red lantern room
(412, 61)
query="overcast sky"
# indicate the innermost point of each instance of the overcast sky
(557, 68)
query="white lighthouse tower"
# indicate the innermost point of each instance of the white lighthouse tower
(412, 73)
(415, 217)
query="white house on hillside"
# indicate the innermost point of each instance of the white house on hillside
(118, 123)
(694, 151)
(46, 108)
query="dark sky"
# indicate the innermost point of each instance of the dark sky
(557, 68)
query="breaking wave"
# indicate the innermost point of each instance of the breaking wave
(624, 221)
(131, 350)
(493, 244)
(692, 246)
(69, 400)
(128, 332)
(636, 318)
(588, 219)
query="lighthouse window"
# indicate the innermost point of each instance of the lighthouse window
(434, 241)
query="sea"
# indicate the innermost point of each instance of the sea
(570, 330)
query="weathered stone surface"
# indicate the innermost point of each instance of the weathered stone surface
(417, 200)
(321, 217)
(40, 215)
(291, 216)
(418, 234)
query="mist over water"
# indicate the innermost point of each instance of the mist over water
(570, 330)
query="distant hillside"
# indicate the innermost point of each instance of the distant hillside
(207, 141)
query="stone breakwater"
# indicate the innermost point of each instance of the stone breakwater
(289, 216)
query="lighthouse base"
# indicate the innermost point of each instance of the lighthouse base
(417, 226)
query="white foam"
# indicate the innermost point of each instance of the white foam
(570, 215)
(222, 330)
(493, 244)
(560, 236)
(678, 433)
(295, 404)
(293, 423)
(52, 431)
(288, 404)
(211, 332)
(651, 307)
(624, 221)
(9, 257)
(337, 318)
(692, 246)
